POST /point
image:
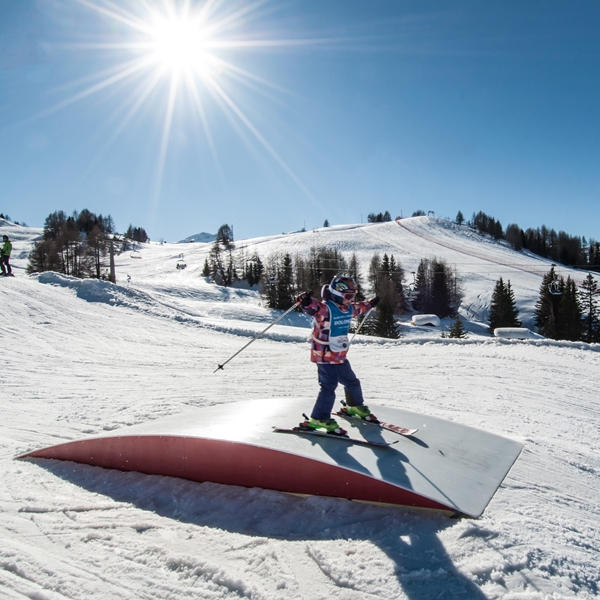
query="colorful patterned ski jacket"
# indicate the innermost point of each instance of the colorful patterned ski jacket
(329, 343)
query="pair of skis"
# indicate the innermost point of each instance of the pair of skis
(304, 429)
(405, 431)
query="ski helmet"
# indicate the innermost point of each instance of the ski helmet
(342, 288)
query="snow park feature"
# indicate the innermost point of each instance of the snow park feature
(88, 358)
(448, 467)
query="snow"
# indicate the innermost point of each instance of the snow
(82, 357)
(431, 320)
(199, 237)
(516, 333)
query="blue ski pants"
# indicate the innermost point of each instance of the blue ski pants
(329, 377)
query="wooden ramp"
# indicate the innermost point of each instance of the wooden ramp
(444, 466)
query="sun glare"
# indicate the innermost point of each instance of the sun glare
(179, 43)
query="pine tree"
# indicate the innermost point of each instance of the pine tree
(440, 297)
(385, 277)
(514, 236)
(253, 270)
(512, 312)
(570, 323)
(503, 309)
(333, 263)
(216, 264)
(558, 313)
(315, 270)
(225, 236)
(270, 281)
(354, 272)
(230, 271)
(321, 266)
(384, 321)
(302, 275)
(136, 234)
(375, 272)
(546, 308)
(396, 275)
(457, 329)
(594, 255)
(437, 288)
(285, 284)
(589, 295)
(423, 287)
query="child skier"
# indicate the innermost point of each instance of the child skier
(329, 346)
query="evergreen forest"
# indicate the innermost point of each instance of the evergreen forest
(79, 244)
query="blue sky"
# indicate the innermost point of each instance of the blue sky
(301, 111)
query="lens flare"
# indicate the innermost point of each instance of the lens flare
(180, 44)
(177, 46)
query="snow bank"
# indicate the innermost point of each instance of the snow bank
(516, 333)
(433, 320)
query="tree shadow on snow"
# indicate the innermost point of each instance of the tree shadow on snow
(408, 537)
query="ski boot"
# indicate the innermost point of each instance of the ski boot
(329, 425)
(361, 411)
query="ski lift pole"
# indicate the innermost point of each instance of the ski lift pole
(289, 310)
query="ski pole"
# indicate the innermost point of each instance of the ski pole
(289, 310)
(361, 324)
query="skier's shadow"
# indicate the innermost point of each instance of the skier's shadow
(389, 461)
(409, 538)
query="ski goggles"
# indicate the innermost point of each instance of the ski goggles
(348, 294)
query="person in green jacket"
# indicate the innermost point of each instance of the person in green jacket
(4, 256)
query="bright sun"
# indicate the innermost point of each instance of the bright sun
(179, 43)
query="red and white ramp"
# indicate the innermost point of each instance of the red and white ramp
(444, 466)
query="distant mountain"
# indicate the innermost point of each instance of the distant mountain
(199, 237)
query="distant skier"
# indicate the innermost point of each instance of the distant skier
(5, 256)
(329, 347)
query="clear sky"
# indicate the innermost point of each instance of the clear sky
(276, 115)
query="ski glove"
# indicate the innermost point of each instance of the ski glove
(374, 301)
(304, 298)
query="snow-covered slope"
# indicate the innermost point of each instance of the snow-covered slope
(79, 357)
(479, 261)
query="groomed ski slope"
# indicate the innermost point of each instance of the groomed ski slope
(479, 261)
(81, 357)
